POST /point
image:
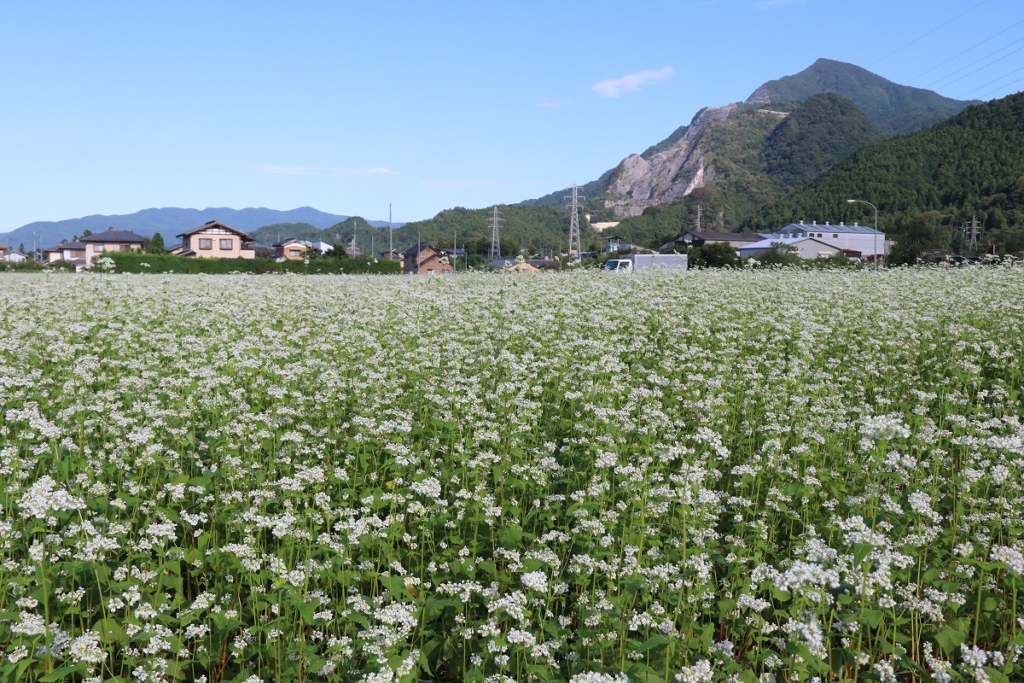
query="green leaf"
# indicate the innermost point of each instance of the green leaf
(63, 672)
(654, 641)
(996, 676)
(861, 551)
(873, 617)
(949, 639)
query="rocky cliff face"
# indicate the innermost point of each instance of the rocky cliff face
(669, 174)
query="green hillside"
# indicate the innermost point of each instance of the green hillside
(758, 158)
(895, 108)
(539, 230)
(972, 164)
(271, 234)
(821, 132)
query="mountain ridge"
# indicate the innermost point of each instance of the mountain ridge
(682, 162)
(168, 221)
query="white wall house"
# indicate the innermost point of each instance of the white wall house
(854, 237)
(213, 239)
(804, 247)
(13, 256)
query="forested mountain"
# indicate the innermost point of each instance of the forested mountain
(758, 157)
(539, 230)
(971, 164)
(818, 134)
(895, 108)
(691, 158)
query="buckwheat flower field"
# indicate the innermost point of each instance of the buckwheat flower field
(702, 477)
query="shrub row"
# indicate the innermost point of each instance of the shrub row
(127, 262)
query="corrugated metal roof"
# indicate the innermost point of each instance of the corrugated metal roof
(823, 227)
(767, 244)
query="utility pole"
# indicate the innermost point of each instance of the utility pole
(698, 218)
(353, 250)
(495, 252)
(455, 256)
(391, 235)
(574, 226)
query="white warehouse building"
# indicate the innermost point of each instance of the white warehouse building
(851, 237)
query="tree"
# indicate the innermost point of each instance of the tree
(156, 244)
(780, 254)
(88, 232)
(921, 233)
(21, 247)
(714, 255)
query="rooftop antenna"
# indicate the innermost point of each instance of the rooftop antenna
(574, 225)
(495, 252)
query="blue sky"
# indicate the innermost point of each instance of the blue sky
(113, 107)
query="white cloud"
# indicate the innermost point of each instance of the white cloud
(321, 170)
(615, 87)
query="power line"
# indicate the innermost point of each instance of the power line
(929, 33)
(1007, 85)
(968, 50)
(980, 68)
(997, 80)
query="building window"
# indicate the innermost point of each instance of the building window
(227, 245)
(97, 247)
(295, 252)
(205, 243)
(835, 237)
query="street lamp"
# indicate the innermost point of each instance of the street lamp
(861, 201)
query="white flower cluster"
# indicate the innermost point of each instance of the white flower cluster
(44, 498)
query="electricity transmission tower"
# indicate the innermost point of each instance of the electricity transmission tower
(574, 226)
(972, 234)
(495, 252)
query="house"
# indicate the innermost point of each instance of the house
(512, 265)
(213, 239)
(292, 249)
(423, 259)
(110, 240)
(855, 237)
(12, 256)
(321, 246)
(71, 252)
(804, 247)
(693, 238)
(615, 243)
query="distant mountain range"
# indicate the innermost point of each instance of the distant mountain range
(169, 222)
(703, 153)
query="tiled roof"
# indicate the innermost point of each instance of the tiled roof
(113, 235)
(215, 224)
